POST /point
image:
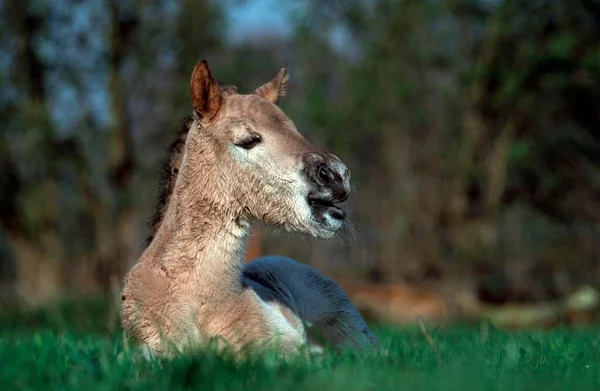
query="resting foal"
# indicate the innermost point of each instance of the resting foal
(240, 160)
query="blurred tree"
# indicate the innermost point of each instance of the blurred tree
(86, 163)
(470, 127)
(457, 113)
(31, 216)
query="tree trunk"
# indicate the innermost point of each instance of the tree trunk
(37, 250)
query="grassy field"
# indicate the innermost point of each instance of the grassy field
(79, 346)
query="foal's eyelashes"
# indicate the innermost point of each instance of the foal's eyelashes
(250, 142)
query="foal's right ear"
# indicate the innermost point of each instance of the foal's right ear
(276, 89)
(206, 94)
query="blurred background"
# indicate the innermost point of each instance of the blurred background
(471, 127)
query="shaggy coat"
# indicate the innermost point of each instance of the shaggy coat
(239, 160)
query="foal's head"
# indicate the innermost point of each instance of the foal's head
(267, 168)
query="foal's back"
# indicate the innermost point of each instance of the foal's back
(324, 310)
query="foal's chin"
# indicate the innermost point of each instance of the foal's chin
(325, 233)
(325, 227)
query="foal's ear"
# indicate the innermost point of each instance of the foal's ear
(274, 90)
(206, 93)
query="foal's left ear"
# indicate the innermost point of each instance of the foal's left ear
(274, 90)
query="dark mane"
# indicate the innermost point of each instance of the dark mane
(170, 168)
(168, 175)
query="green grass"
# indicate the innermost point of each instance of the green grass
(75, 347)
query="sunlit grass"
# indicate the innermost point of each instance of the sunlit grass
(73, 349)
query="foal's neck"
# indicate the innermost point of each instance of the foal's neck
(202, 237)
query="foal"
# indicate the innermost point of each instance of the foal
(240, 160)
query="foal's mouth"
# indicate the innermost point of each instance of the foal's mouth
(322, 206)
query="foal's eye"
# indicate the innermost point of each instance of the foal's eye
(250, 142)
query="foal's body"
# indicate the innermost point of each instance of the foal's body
(191, 284)
(317, 303)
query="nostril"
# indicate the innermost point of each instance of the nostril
(344, 197)
(326, 175)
